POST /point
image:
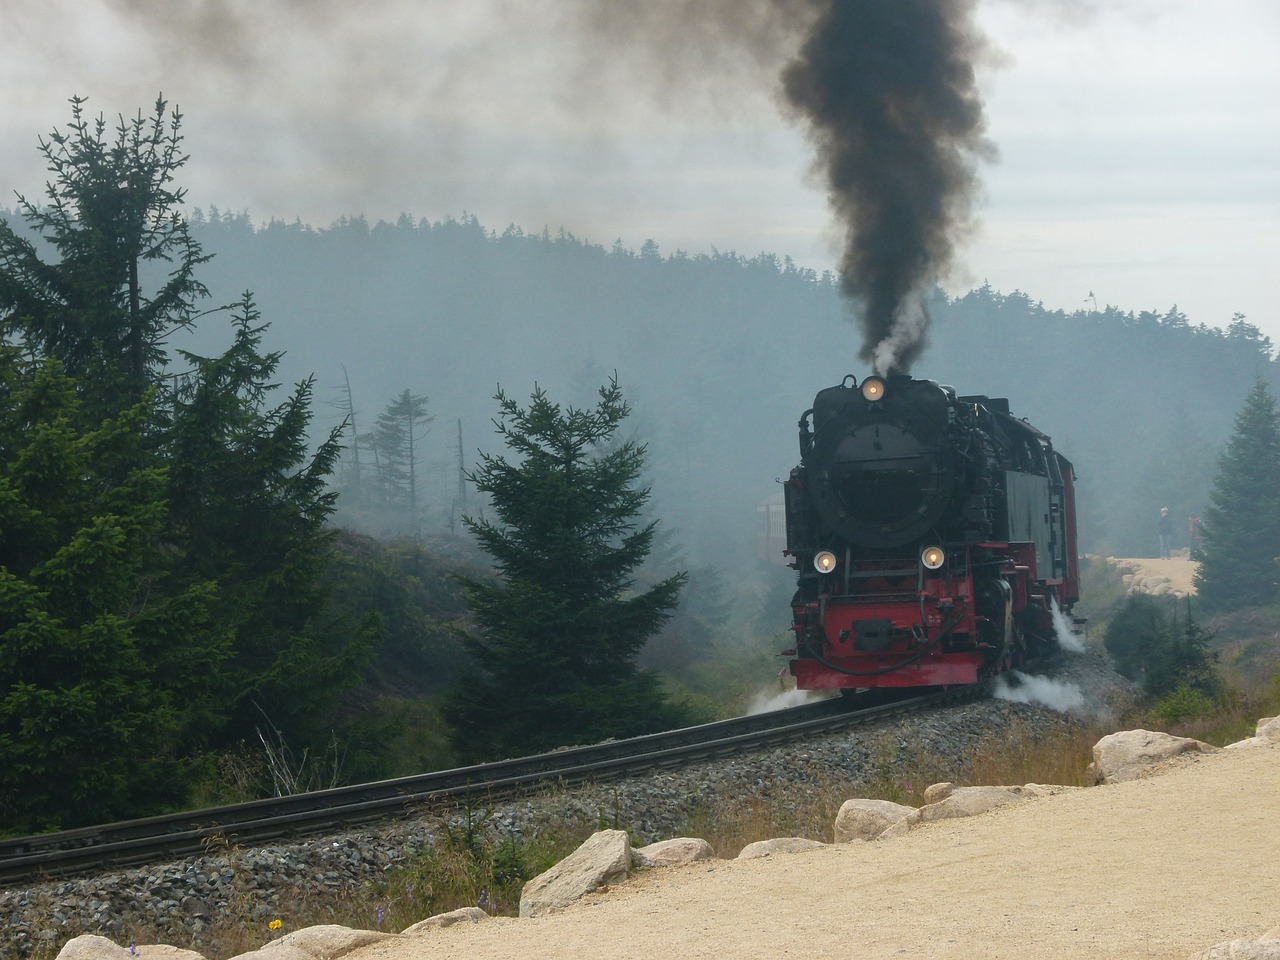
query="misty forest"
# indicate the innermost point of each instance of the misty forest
(272, 495)
(719, 354)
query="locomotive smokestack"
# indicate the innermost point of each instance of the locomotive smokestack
(886, 92)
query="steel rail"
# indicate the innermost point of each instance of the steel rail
(167, 837)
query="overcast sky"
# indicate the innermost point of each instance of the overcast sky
(1139, 140)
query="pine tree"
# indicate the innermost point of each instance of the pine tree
(1241, 534)
(1141, 624)
(1147, 642)
(397, 443)
(104, 677)
(557, 632)
(1185, 659)
(249, 505)
(125, 277)
(164, 556)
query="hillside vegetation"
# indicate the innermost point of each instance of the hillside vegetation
(719, 354)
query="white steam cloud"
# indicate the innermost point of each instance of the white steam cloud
(765, 702)
(1025, 688)
(1068, 639)
(910, 323)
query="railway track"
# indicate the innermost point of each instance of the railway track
(134, 843)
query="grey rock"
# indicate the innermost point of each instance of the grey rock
(604, 859)
(93, 947)
(275, 950)
(937, 792)
(160, 951)
(866, 819)
(442, 920)
(1130, 754)
(330, 940)
(672, 853)
(972, 801)
(767, 848)
(1268, 731)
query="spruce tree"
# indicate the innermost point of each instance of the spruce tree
(556, 633)
(1147, 642)
(1184, 658)
(163, 542)
(396, 441)
(1141, 624)
(249, 505)
(125, 275)
(1240, 563)
(105, 675)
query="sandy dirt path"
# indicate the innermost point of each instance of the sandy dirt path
(1179, 570)
(1161, 867)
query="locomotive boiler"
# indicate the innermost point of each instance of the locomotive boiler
(932, 535)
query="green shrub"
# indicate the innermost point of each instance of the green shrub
(1147, 641)
(1184, 704)
(1139, 626)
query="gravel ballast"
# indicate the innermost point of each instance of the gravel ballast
(181, 899)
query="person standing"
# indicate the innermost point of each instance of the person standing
(1165, 528)
(1193, 540)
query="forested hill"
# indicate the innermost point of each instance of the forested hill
(719, 354)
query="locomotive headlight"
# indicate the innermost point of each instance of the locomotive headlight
(824, 561)
(933, 557)
(872, 388)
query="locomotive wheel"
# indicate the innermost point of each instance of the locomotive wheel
(994, 603)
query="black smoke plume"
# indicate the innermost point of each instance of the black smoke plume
(886, 92)
(884, 89)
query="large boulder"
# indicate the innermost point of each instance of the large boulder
(672, 853)
(604, 859)
(946, 800)
(937, 792)
(275, 950)
(767, 848)
(862, 819)
(1131, 753)
(93, 947)
(90, 946)
(1267, 731)
(327, 941)
(972, 801)
(442, 920)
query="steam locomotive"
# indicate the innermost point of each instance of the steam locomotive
(932, 535)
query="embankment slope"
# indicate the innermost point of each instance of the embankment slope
(1164, 866)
